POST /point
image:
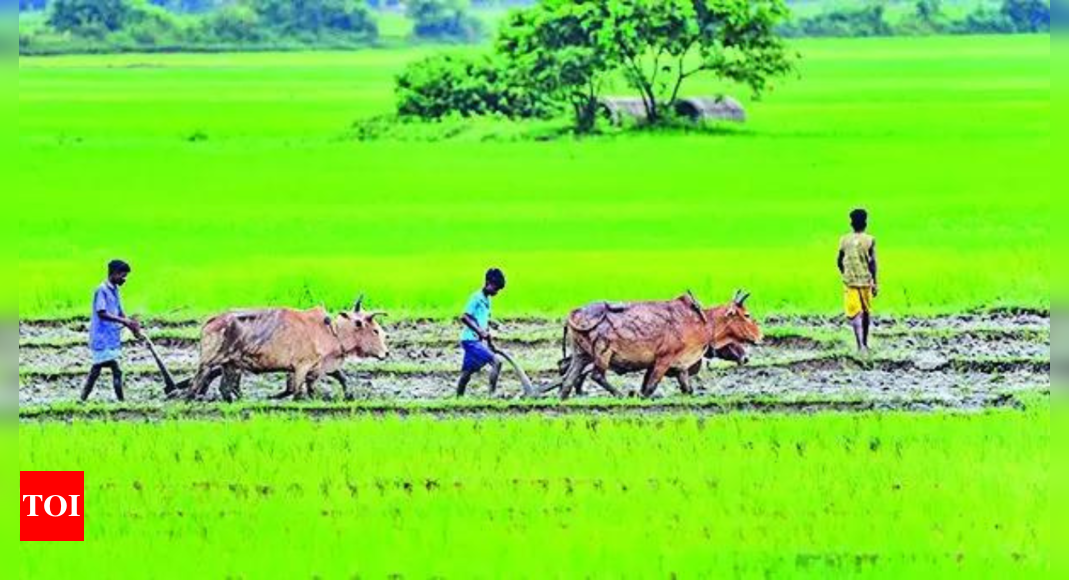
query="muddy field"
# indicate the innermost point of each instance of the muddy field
(963, 361)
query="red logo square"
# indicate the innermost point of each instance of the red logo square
(52, 506)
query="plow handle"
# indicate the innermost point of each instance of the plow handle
(168, 380)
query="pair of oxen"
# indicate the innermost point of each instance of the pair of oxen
(662, 338)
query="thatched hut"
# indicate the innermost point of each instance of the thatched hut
(720, 108)
(617, 109)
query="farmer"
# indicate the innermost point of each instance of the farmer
(105, 329)
(475, 338)
(857, 264)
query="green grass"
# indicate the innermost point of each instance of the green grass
(229, 180)
(533, 496)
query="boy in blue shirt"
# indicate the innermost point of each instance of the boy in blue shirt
(105, 329)
(475, 339)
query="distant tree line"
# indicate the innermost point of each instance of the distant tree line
(928, 17)
(119, 25)
(400, 4)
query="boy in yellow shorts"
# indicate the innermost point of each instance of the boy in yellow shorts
(857, 264)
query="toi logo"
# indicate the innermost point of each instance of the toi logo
(52, 506)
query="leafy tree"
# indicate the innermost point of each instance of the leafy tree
(569, 48)
(1028, 15)
(297, 17)
(28, 5)
(149, 25)
(123, 22)
(442, 85)
(984, 20)
(190, 6)
(929, 11)
(567, 51)
(560, 48)
(89, 17)
(236, 23)
(503, 3)
(927, 18)
(662, 43)
(443, 19)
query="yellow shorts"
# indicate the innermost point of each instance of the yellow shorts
(858, 301)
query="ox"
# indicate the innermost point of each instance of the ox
(306, 345)
(665, 338)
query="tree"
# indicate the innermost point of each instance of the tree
(150, 25)
(1028, 15)
(189, 6)
(568, 51)
(89, 17)
(235, 23)
(559, 49)
(927, 18)
(29, 5)
(316, 17)
(443, 19)
(929, 11)
(652, 41)
(570, 46)
(442, 85)
(863, 20)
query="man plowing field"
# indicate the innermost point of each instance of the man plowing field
(665, 338)
(477, 343)
(105, 330)
(475, 337)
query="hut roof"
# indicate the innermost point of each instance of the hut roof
(617, 108)
(720, 108)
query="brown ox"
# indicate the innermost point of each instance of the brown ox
(306, 345)
(667, 338)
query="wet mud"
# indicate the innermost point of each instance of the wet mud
(967, 361)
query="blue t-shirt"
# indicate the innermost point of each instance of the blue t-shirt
(478, 307)
(104, 334)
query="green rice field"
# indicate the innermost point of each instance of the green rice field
(627, 495)
(235, 179)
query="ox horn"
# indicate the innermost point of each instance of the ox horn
(741, 299)
(359, 303)
(696, 305)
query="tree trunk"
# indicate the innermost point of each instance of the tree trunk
(586, 110)
(649, 100)
(645, 87)
(653, 113)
